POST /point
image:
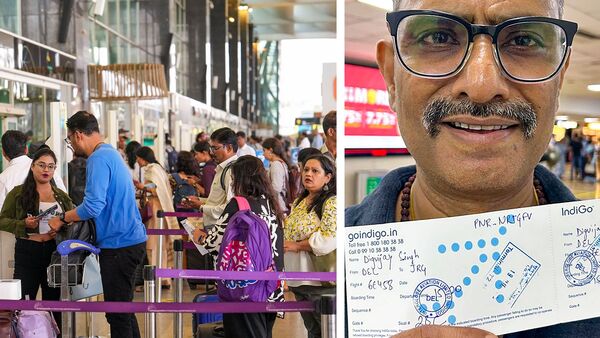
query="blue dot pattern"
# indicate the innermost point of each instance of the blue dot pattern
(495, 241)
(483, 258)
(498, 284)
(452, 319)
(481, 243)
(423, 308)
(502, 230)
(467, 281)
(496, 255)
(500, 298)
(455, 247)
(497, 270)
(458, 293)
(450, 305)
(475, 269)
(442, 248)
(468, 245)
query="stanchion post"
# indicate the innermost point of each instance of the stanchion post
(68, 325)
(328, 313)
(178, 290)
(161, 225)
(149, 297)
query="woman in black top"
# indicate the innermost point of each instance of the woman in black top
(250, 181)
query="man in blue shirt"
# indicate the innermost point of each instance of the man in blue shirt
(475, 85)
(110, 201)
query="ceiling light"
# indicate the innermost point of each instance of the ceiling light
(243, 7)
(591, 119)
(594, 126)
(561, 117)
(385, 5)
(567, 124)
(594, 88)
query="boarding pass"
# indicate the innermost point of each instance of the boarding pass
(503, 271)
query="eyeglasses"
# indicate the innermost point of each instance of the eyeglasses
(433, 44)
(215, 148)
(44, 166)
(68, 140)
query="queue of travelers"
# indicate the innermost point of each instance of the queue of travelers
(121, 189)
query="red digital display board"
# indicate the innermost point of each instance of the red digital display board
(370, 126)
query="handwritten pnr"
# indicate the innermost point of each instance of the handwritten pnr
(504, 271)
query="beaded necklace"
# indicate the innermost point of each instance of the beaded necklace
(405, 197)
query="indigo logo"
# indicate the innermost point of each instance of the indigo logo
(577, 210)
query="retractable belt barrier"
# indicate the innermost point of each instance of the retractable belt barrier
(152, 293)
(150, 307)
(184, 214)
(161, 231)
(166, 232)
(246, 275)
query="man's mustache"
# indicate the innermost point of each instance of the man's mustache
(441, 108)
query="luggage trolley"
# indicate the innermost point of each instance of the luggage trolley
(72, 274)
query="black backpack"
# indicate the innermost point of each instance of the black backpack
(77, 180)
(171, 159)
(81, 230)
(182, 189)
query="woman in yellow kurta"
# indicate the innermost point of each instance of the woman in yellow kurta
(310, 231)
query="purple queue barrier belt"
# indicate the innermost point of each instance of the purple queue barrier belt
(245, 275)
(141, 307)
(166, 232)
(182, 214)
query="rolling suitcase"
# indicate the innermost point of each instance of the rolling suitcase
(201, 319)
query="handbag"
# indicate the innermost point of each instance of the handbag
(325, 263)
(8, 324)
(145, 207)
(91, 281)
(31, 324)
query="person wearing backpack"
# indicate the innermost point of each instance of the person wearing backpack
(20, 215)
(310, 235)
(278, 170)
(252, 190)
(187, 171)
(171, 156)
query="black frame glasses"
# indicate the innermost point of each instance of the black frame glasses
(44, 166)
(216, 148)
(569, 28)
